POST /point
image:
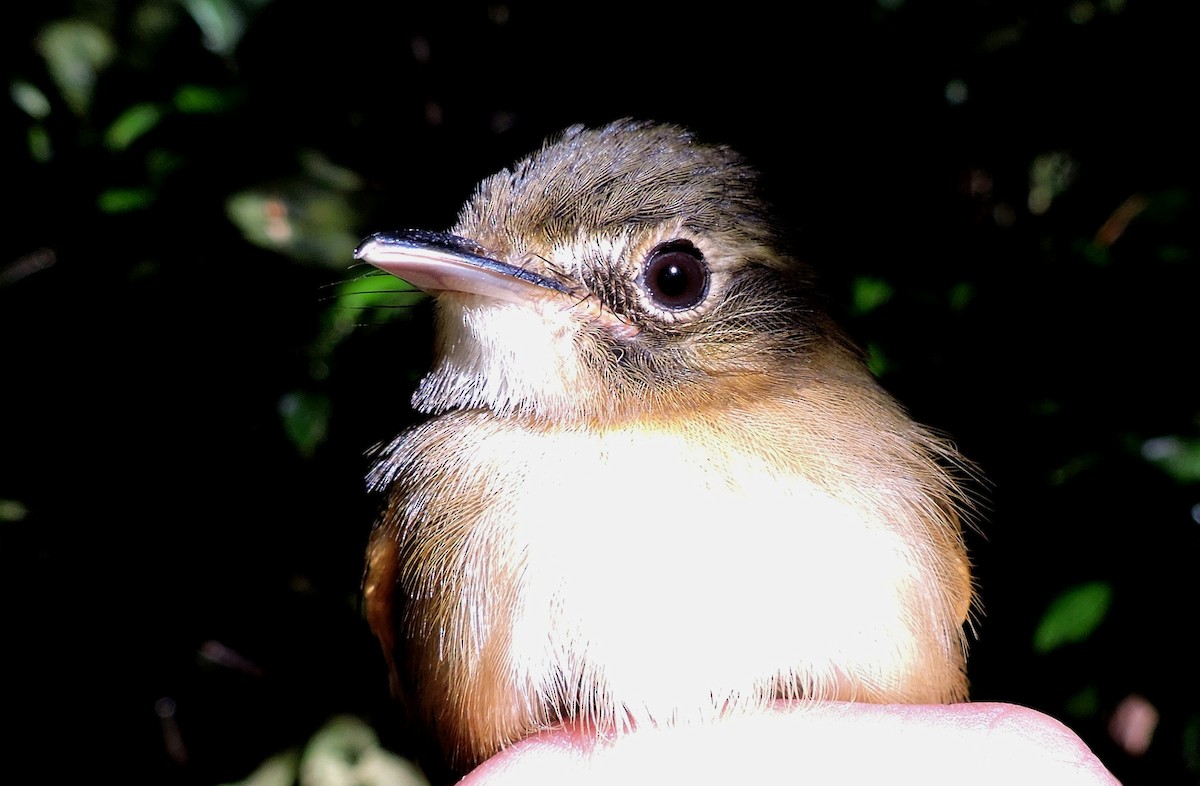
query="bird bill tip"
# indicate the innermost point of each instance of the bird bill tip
(372, 246)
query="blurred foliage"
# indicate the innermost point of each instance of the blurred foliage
(1179, 457)
(1073, 616)
(75, 51)
(12, 510)
(343, 752)
(869, 294)
(1002, 196)
(308, 217)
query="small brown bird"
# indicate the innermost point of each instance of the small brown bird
(660, 485)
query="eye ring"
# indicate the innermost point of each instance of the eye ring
(675, 276)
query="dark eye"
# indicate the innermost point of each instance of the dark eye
(675, 276)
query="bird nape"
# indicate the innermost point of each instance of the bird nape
(659, 485)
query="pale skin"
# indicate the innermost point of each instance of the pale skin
(827, 744)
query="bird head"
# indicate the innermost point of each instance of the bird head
(612, 273)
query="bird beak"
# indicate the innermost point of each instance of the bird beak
(437, 262)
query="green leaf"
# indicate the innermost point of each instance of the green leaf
(203, 100)
(961, 295)
(279, 770)
(870, 293)
(132, 124)
(221, 23)
(305, 419)
(300, 218)
(1177, 456)
(41, 149)
(377, 291)
(31, 100)
(12, 510)
(877, 362)
(1073, 616)
(124, 200)
(1168, 206)
(1174, 254)
(161, 163)
(347, 750)
(75, 52)
(369, 299)
(1050, 175)
(1074, 467)
(1191, 744)
(1085, 703)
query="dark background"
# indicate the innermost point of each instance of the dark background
(1002, 197)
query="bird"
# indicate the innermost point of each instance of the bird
(657, 484)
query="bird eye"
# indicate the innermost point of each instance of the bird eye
(675, 276)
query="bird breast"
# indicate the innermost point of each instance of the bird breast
(669, 571)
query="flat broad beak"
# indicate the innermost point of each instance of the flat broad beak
(438, 262)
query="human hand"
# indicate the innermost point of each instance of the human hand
(816, 745)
